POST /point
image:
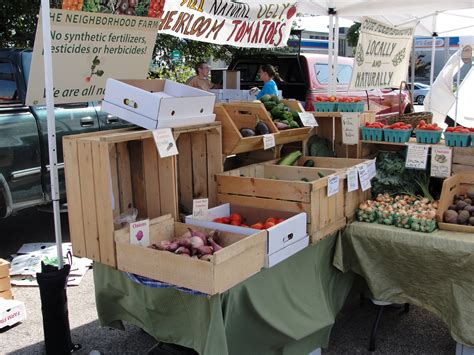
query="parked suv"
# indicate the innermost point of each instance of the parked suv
(24, 160)
(305, 76)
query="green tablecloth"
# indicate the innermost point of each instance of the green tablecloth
(288, 309)
(434, 271)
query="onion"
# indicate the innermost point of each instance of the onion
(199, 235)
(206, 257)
(196, 242)
(182, 250)
(205, 250)
(214, 245)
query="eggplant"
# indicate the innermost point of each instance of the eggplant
(281, 125)
(261, 128)
(247, 132)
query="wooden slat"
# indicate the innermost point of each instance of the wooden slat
(152, 179)
(199, 153)
(73, 189)
(88, 198)
(124, 178)
(113, 156)
(323, 209)
(340, 199)
(138, 178)
(103, 190)
(283, 190)
(214, 163)
(168, 185)
(313, 215)
(185, 172)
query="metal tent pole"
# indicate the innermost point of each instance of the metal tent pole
(413, 64)
(53, 156)
(458, 79)
(433, 52)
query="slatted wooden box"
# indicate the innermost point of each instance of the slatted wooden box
(108, 174)
(281, 188)
(199, 160)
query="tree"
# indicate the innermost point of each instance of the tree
(353, 34)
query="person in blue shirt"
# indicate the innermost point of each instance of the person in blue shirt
(267, 74)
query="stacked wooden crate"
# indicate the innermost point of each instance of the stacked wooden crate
(5, 284)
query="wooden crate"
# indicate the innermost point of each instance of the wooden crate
(108, 174)
(241, 257)
(463, 160)
(4, 268)
(352, 199)
(199, 160)
(455, 185)
(8, 295)
(5, 284)
(255, 185)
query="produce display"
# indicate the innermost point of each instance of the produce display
(260, 129)
(236, 219)
(462, 209)
(282, 115)
(402, 211)
(192, 244)
(72, 5)
(422, 125)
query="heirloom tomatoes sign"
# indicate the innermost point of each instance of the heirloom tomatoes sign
(244, 23)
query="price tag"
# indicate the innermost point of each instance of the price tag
(417, 156)
(333, 185)
(352, 180)
(268, 141)
(165, 142)
(200, 208)
(371, 168)
(308, 119)
(350, 127)
(140, 233)
(364, 177)
(441, 158)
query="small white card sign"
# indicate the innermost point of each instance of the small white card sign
(308, 119)
(140, 233)
(165, 142)
(417, 156)
(333, 185)
(200, 208)
(352, 180)
(441, 158)
(350, 127)
(372, 168)
(268, 141)
(364, 176)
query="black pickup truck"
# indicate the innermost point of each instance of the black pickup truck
(24, 162)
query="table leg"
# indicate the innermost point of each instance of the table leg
(373, 333)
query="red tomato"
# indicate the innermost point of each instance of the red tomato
(450, 129)
(244, 225)
(258, 225)
(217, 220)
(234, 222)
(271, 220)
(268, 225)
(280, 220)
(236, 217)
(226, 220)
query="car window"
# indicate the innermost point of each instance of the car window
(248, 71)
(8, 85)
(343, 74)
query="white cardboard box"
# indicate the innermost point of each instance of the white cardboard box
(154, 104)
(282, 254)
(227, 95)
(11, 312)
(279, 237)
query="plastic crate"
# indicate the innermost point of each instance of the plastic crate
(472, 139)
(453, 139)
(372, 134)
(425, 136)
(325, 106)
(351, 106)
(397, 135)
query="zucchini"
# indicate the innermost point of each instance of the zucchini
(290, 159)
(321, 174)
(309, 163)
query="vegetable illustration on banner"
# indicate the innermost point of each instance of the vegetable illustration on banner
(382, 55)
(243, 23)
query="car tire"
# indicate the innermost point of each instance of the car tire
(420, 99)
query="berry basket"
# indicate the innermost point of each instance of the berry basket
(325, 106)
(351, 106)
(372, 134)
(397, 135)
(425, 136)
(453, 139)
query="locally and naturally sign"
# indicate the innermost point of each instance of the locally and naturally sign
(382, 55)
(239, 23)
(87, 48)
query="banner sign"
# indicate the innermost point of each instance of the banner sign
(243, 23)
(87, 48)
(382, 56)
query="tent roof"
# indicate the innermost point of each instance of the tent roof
(454, 18)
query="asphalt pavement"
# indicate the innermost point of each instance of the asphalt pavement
(415, 332)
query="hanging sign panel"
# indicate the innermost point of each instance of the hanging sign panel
(87, 48)
(238, 23)
(382, 55)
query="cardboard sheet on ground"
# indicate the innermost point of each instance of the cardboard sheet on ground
(27, 263)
